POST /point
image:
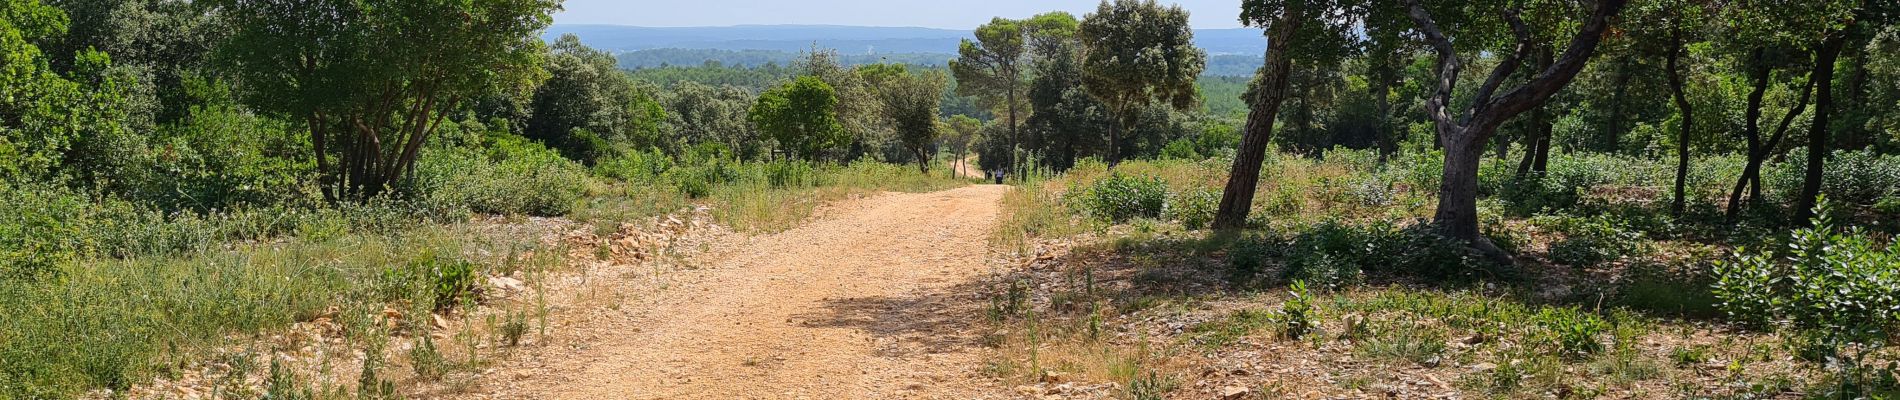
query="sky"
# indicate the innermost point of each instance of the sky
(949, 14)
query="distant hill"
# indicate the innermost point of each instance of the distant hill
(1235, 51)
(847, 39)
(756, 58)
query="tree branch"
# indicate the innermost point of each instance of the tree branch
(1547, 83)
(1511, 63)
(1448, 66)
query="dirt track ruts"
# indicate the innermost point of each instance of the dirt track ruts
(876, 300)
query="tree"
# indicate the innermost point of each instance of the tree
(991, 67)
(1064, 123)
(1138, 53)
(1667, 28)
(700, 113)
(33, 134)
(962, 131)
(587, 105)
(1314, 30)
(373, 79)
(53, 125)
(1824, 59)
(801, 116)
(1463, 134)
(910, 101)
(856, 108)
(164, 43)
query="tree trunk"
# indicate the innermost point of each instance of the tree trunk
(1614, 130)
(1750, 180)
(1677, 86)
(1382, 95)
(1818, 133)
(1464, 137)
(1114, 137)
(1751, 131)
(1015, 139)
(1457, 214)
(1237, 199)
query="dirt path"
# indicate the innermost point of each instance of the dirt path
(876, 300)
(966, 168)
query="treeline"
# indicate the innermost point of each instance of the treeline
(1658, 78)
(761, 58)
(1218, 65)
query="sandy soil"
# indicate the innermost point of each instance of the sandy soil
(877, 299)
(967, 168)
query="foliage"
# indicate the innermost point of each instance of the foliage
(1120, 198)
(511, 176)
(1139, 53)
(1575, 333)
(1856, 177)
(1830, 279)
(1590, 242)
(373, 79)
(800, 115)
(451, 281)
(910, 103)
(1296, 315)
(1192, 207)
(587, 103)
(702, 113)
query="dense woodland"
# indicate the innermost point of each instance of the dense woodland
(147, 144)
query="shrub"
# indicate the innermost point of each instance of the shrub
(1330, 254)
(1889, 205)
(1828, 279)
(450, 280)
(37, 228)
(1194, 208)
(1296, 315)
(513, 176)
(1589, 242)
(1851, 176)
(635, 166)
(1572, 331)
(1180, 149)
(1119, 198)
(787, 174)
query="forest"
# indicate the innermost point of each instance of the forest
(1508, 198)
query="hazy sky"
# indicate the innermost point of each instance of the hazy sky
(953, 14)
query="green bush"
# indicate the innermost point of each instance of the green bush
(1859, 177)
(1590, 242)
(1120, 198)
(787, 174)
(635, 166)
(1889, 205)
(450, 280)
(1331, 255)
(222, 157)
(1194, 208)
(1572, 331)
(1180, 149)
(1840, 281)
(512, 176)
(1296, 316)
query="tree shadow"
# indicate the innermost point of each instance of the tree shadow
(927, 321)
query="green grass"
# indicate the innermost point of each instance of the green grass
(116, 323)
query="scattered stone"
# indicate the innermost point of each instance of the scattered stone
(1235, 392)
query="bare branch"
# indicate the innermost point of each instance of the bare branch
(1448, 66)
(1512, 62)
(1547, 83)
